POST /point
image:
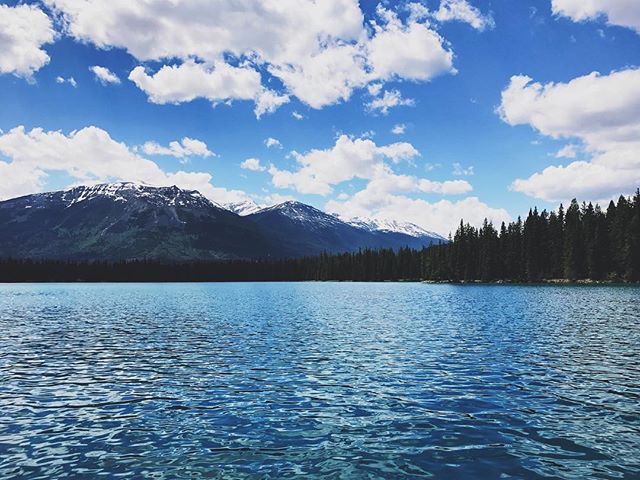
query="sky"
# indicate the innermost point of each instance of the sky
(421, 111)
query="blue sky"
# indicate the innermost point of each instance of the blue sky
(474, 137)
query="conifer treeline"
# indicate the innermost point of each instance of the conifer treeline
(365, 265)
(581, 242)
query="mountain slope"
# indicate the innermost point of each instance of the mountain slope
(301, 230)
(124, 221)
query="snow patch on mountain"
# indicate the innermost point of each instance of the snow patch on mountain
(393, 226)
(244, 208)
(127, 191)
(303, 213)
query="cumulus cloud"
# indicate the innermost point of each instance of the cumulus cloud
(252, 164)
(272, 142)
(390, 99)
(624, 13)
(319, 51)
(24, 29)
(411, 51)
(399, 129)
(88, 155)
(325, 78)
(104, 75)
(268, 101)
(220, 82)
(601, 112)
(187, 81)
(462, 11)
(187, 147)
(387, 194)
(347, 159)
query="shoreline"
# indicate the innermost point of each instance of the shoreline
(549, 282)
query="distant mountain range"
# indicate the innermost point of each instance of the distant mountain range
(133, 221)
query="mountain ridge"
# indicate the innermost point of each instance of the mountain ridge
(128, 220)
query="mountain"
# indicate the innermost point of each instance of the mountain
(125, 221)
(392, 226)
(128, 220)
(244, 208)
(301, 230)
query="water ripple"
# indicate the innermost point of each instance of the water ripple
(322, 380)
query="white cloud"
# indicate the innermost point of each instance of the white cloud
(399, 129)
(88, 155)
(462, 11)
(252, 164)
(193, 146)
(390, 99)
(374, 89)
(272, 142)
(71, 81)
(320, 51)
(461, 171)
(104, 75)
(18, 179)
(625, 13)
(601, 112)
(24, 29)
(325, 78)
(296, 115)
(568, 151)
(190, 80)
(349, 158)
(187, 147)
(587, 180)
(218, 83)
(411, 51)
(269, 101)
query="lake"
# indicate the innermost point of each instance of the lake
(327, 380)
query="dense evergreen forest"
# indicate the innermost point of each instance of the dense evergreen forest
(583, 242)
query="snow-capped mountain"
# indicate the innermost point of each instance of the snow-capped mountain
(307, 213)
(126, 191)
(302, 213)
(132, 220)
(122, 221)
(411, 229)
(304, 230)
(244, 208)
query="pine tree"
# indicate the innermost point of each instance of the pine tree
(573, 246)
(633, 271)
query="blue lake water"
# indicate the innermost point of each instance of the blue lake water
(330, 380)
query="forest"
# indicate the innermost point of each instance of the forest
(582, 242)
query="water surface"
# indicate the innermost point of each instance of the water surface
(330, 380)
